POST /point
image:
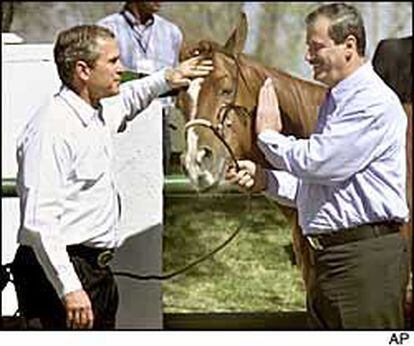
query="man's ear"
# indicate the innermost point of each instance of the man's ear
(350, 46)
(82, 70)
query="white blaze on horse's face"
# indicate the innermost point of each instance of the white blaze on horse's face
(198, 159)
(196, 169)
(193, 91)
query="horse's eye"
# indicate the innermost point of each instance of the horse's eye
(225, 92)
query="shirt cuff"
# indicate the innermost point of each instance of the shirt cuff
(56, 264)
(69, 280)
(282, 186)
(273, 145)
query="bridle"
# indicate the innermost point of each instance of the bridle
(225, 109)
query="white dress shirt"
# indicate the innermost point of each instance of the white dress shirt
(352, 170)
(65, 179)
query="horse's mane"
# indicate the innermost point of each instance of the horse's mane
(298, 98)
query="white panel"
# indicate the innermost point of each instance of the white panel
(139, 177)
(25, 84)
(138, 171)
(9, 227)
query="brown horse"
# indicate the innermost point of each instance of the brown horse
(220, 113)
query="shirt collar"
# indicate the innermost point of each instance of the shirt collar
(134, 21)
(83, 110)
(350, 82)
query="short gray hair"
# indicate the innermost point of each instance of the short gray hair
(78, 43)
(345, 20)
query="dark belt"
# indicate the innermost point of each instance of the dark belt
(98, 256)
(366, 231)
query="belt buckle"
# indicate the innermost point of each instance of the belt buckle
(314, 243)
(104, 258)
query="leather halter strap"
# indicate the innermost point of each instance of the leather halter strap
(217, 132)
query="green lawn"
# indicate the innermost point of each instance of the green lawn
(254, 273)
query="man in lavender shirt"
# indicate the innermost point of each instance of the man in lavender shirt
(147, 43)
(347, 180)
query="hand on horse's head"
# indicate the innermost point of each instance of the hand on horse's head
(192, 68)
(268, 113)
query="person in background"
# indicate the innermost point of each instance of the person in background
(347, 181)
(147, 42)
(69, 204)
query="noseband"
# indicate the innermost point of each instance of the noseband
(225, 109)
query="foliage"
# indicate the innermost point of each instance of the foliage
(277, 29)
(129, 76)
(7, 14)
(207, 20)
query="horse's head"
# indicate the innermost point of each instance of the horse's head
(219, 111)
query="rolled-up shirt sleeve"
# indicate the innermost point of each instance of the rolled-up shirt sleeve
(282, 187)
(47, 161)
(348, 144)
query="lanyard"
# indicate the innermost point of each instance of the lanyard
(138, 37)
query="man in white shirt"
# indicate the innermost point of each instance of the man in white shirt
(147, 43)
(347, 180)
(68, 200)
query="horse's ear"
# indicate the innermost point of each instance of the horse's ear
(235, 43)
(184, 51)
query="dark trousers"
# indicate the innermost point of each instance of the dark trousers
(359, 285)
(38, 299)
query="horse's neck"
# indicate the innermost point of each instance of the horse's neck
(298, 99)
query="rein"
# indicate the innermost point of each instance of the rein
(167, 276)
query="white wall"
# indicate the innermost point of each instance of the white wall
(9, 226)
(28, 76)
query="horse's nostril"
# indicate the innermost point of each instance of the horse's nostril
(204, 157)
(207, 152)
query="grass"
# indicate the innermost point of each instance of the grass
(253, 273)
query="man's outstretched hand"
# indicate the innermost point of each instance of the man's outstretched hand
(182, 75)
(268, 114)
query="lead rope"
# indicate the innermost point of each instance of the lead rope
(187, 267)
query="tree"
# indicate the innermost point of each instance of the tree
(204, 20)
(7, 14)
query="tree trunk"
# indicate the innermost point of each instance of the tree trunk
(7, 12)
